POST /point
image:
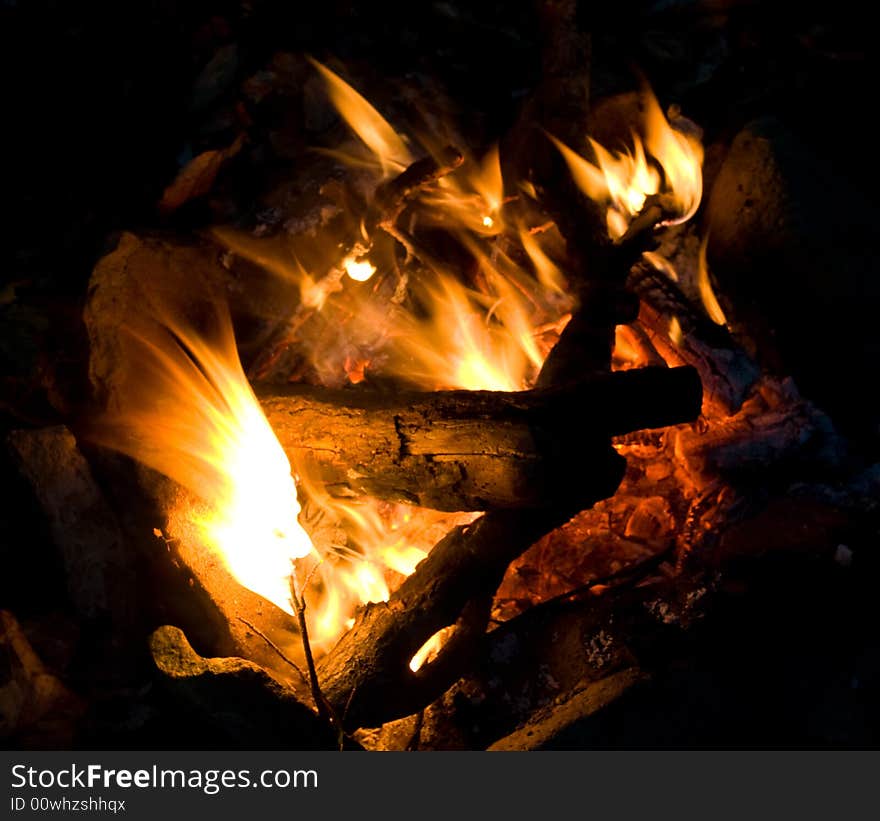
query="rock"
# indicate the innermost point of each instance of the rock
(36, 709)
(216, 78)
(791, 251)
(238, 697)
(98, 566)
(145, 277)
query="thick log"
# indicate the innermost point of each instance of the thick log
(472, 450)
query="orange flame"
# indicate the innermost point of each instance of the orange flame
(492, 333)
(707, 294)
(373, 129)
(192, 416)
(663, 161)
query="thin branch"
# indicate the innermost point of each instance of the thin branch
(299, 606)
(275, 647)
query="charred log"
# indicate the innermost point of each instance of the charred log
(472, 450)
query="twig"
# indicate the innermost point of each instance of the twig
(275, 647)
(389, 202)
(299, 606)
(631, 574)
(392, 197)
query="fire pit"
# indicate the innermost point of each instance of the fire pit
(395, 432)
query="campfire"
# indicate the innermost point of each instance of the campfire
(421, 450)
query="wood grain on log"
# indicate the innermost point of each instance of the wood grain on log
(472, 450)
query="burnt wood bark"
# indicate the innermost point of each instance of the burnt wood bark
(472, 450)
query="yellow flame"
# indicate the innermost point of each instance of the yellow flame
(191, 415)
(274, 256)
(196, 419)
(490, 330)
(549, 273)
(475, 340)
(627, 350)
(372, 128)
(707, 294)
(680, 155)
(623, 180)
(383, 540)
(430, 648)
(471, 199)
(661, 264)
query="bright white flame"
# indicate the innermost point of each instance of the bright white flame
(359, 270)
(430, 648)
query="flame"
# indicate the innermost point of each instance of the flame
(676, 335)
(485, 339)
(661, 264)
(707, 295)
(191, 415)
(373, 129)
(430, 648)
(472, 199)
(360, 270)
(663, 161)
(273, 256)
(627, 350)
(548, 272)
(490, 333)
(383, 541)
(486, 325)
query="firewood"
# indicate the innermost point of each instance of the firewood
(389, 201)
(472, 450)
(392, 197)
(367, 676)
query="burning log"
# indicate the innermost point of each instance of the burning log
(472, 450)
(367, 675)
